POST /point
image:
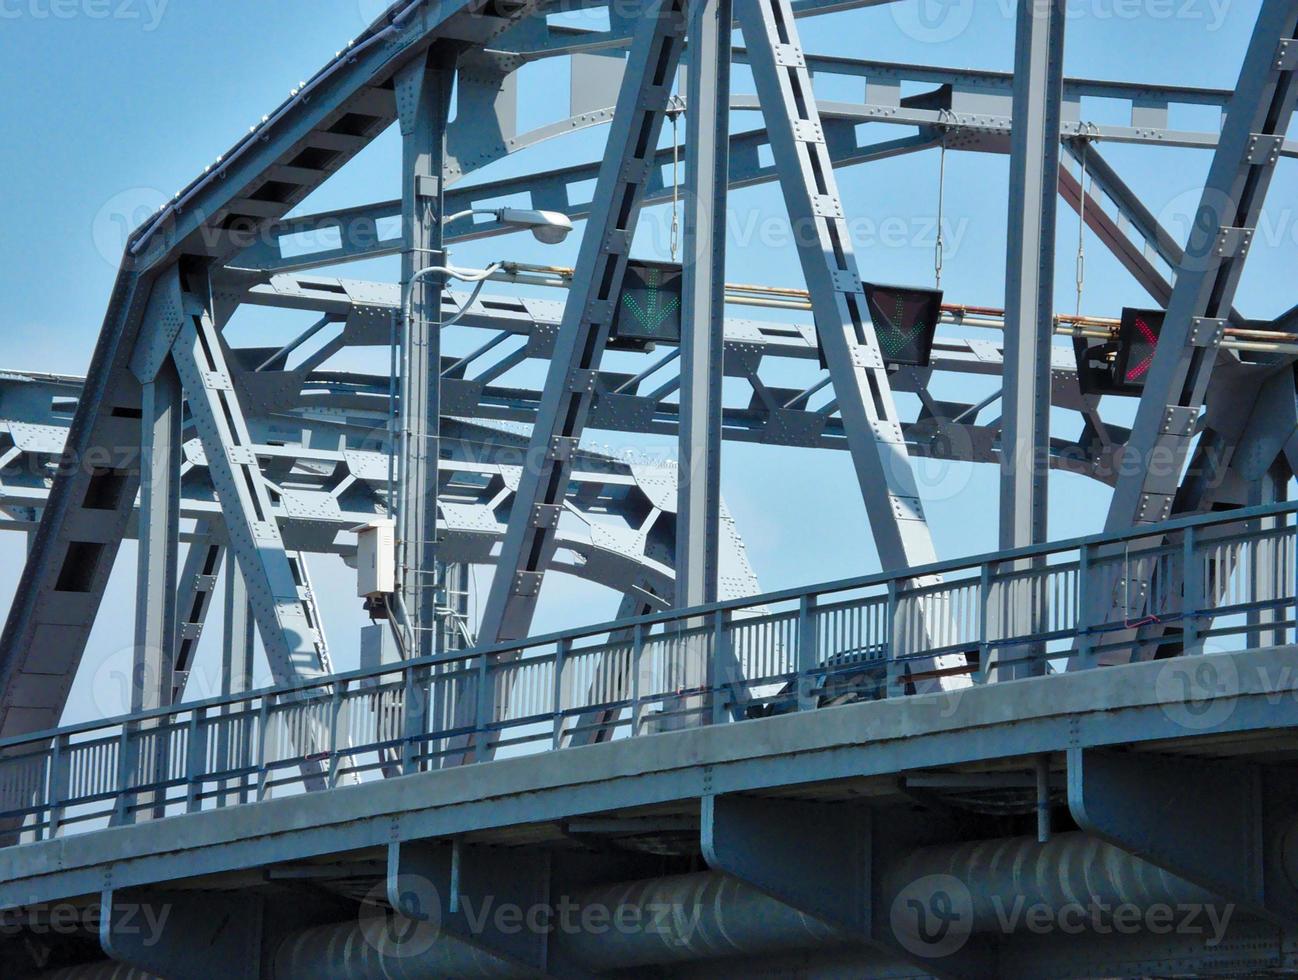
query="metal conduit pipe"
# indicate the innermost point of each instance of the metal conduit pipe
(385, 951)
(103, 970)
(687, 917)
(1070, 870)
(709, 915)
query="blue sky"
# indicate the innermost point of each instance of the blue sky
(115, 104)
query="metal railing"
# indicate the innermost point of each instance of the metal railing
(1221, 579)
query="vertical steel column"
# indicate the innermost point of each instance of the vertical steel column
(1030, 271)
(847, 340)
(1257, 118)
(570, 384)
(707, 170)
(197, 587)
(159, 542)
(234, 743)
(423, 93)
(155, 592)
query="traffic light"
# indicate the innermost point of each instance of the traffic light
(1137, 338)
(649, 307)
(1120, 367)
(905, 319)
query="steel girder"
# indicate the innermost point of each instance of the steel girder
(423, 103)
(775, 415)
(617, 527)
(1210, 270)
(278, 588)
(565, 403)
(707, 173)
(972, 108)
(845, 334)
(1030, 272)
(322, 126)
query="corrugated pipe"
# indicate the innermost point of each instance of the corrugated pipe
(687, 917)
(709, 915)
(1070, 870)
(103, 970)
(373, 948)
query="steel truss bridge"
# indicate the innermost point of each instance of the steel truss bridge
(850, 778)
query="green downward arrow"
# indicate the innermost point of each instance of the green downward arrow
(657, 311)
(901, 338)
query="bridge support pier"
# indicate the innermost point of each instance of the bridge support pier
(180, 935)
(488, 898)
(765, 843)
(1230, 829)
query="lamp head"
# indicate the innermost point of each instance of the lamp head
(548, 227)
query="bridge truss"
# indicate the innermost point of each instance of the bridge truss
(242, 464)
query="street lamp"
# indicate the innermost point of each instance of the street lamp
(549, 228)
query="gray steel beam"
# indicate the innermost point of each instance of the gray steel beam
(707, 168)
(1209, 274)
(182, 935)
(234, 744)
(359, 233)
(1030, 272)
(322, 126)
(1162, 808)
(423, 102)
(159, 542)
(290, 631)
(530, 540)
(197, 587)
(848, 343)
(847, 340)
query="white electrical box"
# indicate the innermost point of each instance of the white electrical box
(376, 557)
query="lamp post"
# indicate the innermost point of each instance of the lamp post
(548, 227)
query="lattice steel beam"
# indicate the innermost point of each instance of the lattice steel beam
(1030, 272)
(642, 103)
(291, 632)
(1209, 273)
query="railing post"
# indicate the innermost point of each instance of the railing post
(336, 696)
(263, 723)
(60, 774)
(483, 717)
(894, 686)
(720, 650)
(195, 755)
(1085, 640)
(560, 662)
(415, 702)
(1191, 591)
(984, 631)
(127, 749)
(807, 653)
(637, 659)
